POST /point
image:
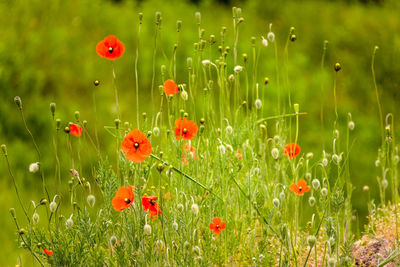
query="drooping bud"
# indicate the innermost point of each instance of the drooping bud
(311, 240)
(91, 200)
(311, 201)
(276, 202)
(324, 192)
(35, 218)
(18, 102)
(351, 125)
(52, 108)
(113, 240)
(195, 208)
(275, 153)
(315, 184)
(264, 41)
(147, 229)
(53, 206)
(258, 104)
(180, 207)
(4, 149)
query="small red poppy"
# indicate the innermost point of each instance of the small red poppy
(185, 129)
(292, 150)
(239, 154)
(110, 48)
(136, 146)
(300, 188)
(170, 87)
(149, 204)
(48, 252)
(217, 225)
(75, 129)
(123, 198)
(188, 152)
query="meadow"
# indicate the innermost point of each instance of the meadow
(146, 133)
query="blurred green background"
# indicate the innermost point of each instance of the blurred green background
(47, 54)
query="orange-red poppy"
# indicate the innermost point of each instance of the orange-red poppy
(75, 129)
(188, 152)
(168, 196)
(292, 150)
(123, 198)
(300, 187)
(239, 154)
(217, 225)
(110, 48)
(170, 87)
(47, 251)
(136, 146)
(185, 129)
(149, 204)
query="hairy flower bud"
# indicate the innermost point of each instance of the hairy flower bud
(238, 68)
(324, 192)
(275, 153)
(311, 201)
(311, 240)
(258, 104)
(91, 200)
(53, 206)
(195, 208)
(315, 184)
(113, 240)
(276, 202)
(35, 218)
(147, 229)
(351, 125)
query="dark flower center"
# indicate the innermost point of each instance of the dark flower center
(184, 130)
(110, 49)
(300, 188)
(127, 200)
(152, 202)
(136, 145)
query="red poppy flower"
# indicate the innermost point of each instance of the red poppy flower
(48, 252)
(188, 152)
(123, 198)
(239, 154)
(110, 48)
(300, 188)
(292, 150)
(185, 129)
(217, 225)
(75, 129)
(136, 146)
(170, 87)
(149, 204)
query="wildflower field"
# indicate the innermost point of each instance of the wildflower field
(199, 133)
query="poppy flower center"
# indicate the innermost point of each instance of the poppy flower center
(184, 130)
(300, 188)
(152, 202)
(127, 200)
(136, 145)
(110, 49)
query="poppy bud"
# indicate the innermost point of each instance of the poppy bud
(43, 201)
(196, 251)
(308, 176)
(175, 225)
(53, 206)
(189, 63)
(366, 188)
(178, 25)
(335, 159)
(296, 108)
(169, 171)
(21, 231)
(221, 149)
(184, 95)
(275, 153)
(240, 20)
(309, 155)
(325, 162)
(195, 208)
(117, 122)
(282, 195)
(228, 130)
(147, 229)
(229, 148)
(160, 168)
(336, 134)
(77, 115)
(96, 82)
(113, 240)
(331, 262)
(4, 149)
(34, 167)
(351, 125)
(91, 200)
(18, 102)
(276, 202)
(53, 108)
(144, 114)
(337, 67)
(158, 18)
(186, 245)
(197, 15)
(35, 218)
(311, 201)
(311, 240)
(156, 131)
(58, 124)
(315, 184)
(180, 207)
(12, 212)
(69, 223)
(324, 192)
(264, 41)
(258, 104)
(238, 69)
(385, 183)
(271, 37)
